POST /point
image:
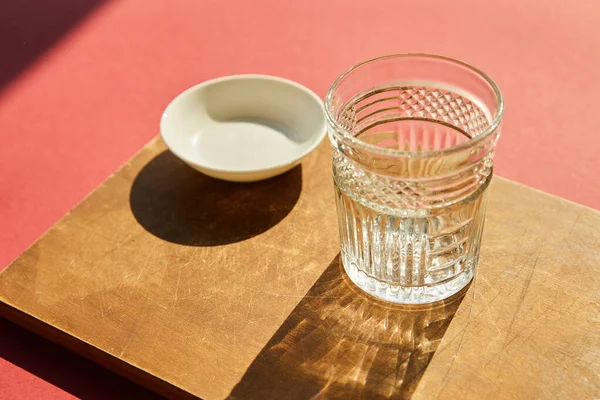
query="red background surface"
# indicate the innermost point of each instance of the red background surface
(83, 84)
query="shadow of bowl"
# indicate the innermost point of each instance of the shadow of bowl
(180, 205)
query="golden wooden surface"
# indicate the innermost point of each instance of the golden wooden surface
(201, 288)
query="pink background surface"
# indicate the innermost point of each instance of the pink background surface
(83, 84)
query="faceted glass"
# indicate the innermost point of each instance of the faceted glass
(413, 139)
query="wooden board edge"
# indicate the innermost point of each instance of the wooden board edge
(152, 142)
(541, 192)
(86, 350)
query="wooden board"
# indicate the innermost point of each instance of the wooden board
(201, 288)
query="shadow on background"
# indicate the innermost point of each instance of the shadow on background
(180, 205)
(30, 27)
(61, 368)
(339, 343)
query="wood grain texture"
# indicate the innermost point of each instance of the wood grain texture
(340, 343)
(200, 288)
(532, 327)
(168, 300)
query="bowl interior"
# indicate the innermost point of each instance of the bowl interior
(244, 123)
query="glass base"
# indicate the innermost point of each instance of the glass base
(406, 294)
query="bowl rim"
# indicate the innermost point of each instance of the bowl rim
(315, 139)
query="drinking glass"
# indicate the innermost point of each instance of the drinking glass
(413, 139)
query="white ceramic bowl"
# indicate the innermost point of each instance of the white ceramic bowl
(244, 127)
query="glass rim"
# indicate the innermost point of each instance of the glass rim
(495, 123)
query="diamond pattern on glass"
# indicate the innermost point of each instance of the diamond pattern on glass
(414, 102)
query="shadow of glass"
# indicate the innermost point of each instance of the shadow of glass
(178, 204)
(340, 343)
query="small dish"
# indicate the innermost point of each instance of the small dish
(244, 128)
